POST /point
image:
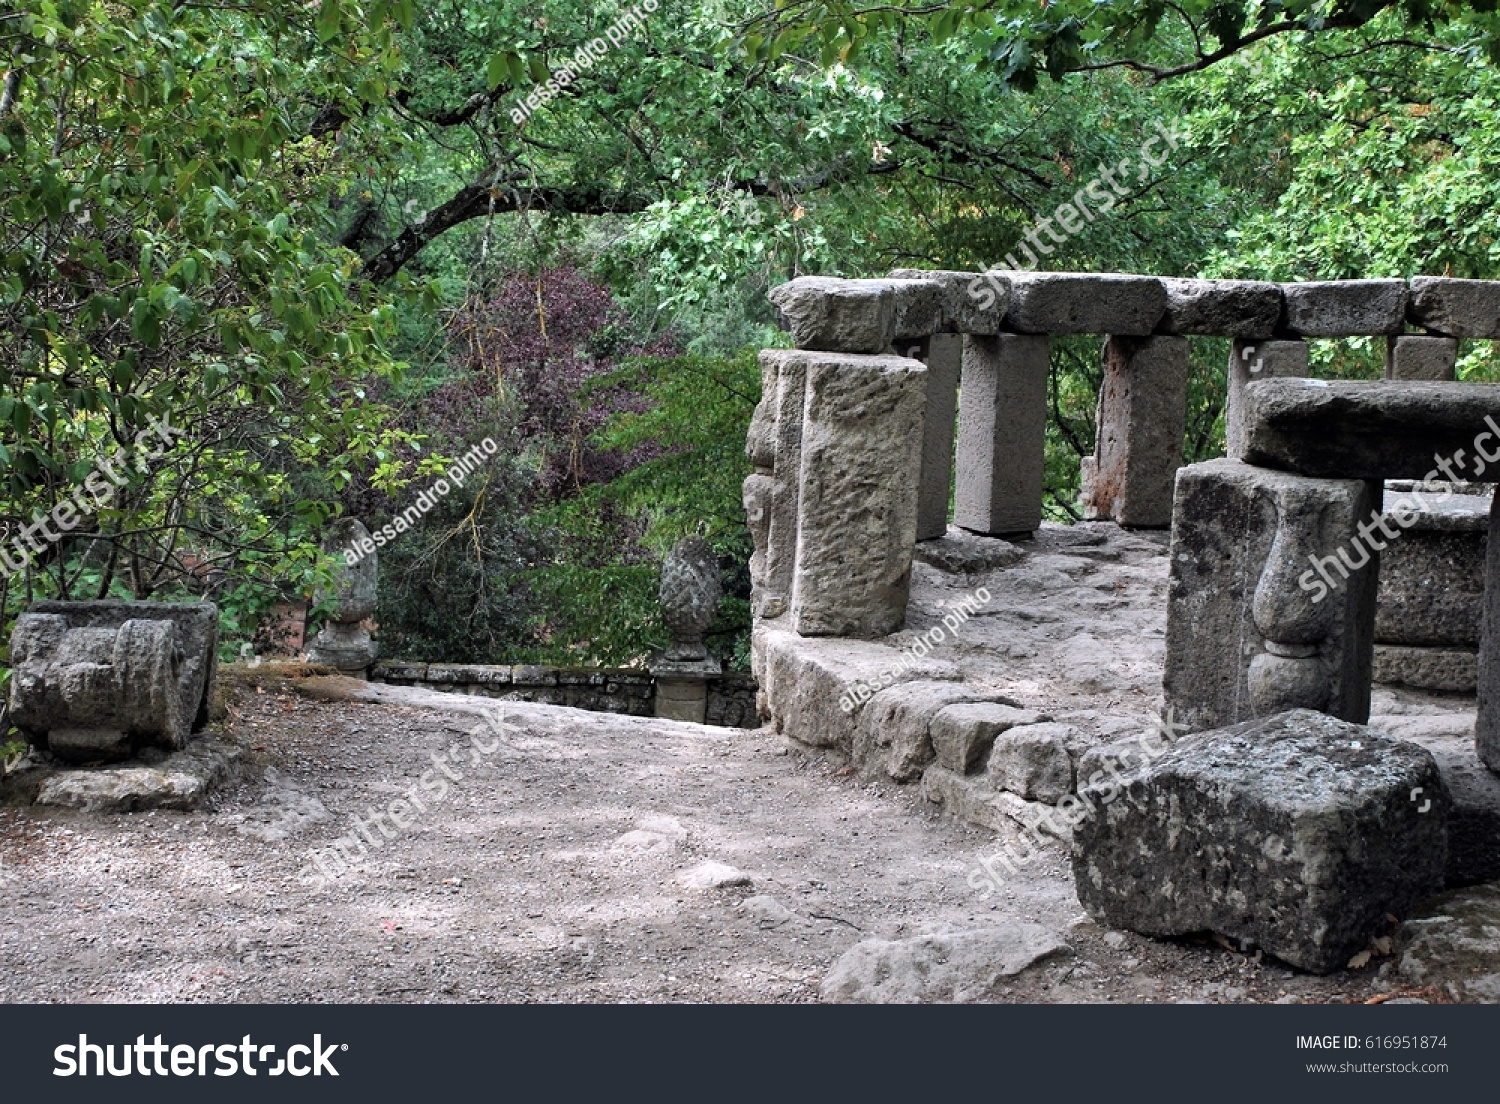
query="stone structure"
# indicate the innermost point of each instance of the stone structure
(97, 681)
(689, 596)
(344, 642)
(1141, 419)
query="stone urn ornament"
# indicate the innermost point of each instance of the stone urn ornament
(343, 641)
(689, 596)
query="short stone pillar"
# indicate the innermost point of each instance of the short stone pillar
(1002, 434)
(343, 642)
(1271, 595)
(1256, 360)
(1487, 724)
(689, 596)
(943, 357)
(99, 680)
(1140, 423)
(1418, 357)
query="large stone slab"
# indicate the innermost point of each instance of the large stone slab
(1074, 302)
(1141, 419)
(1297, 833)
(972, 303)
(1358, 429)
(1345, 308)
(1221, 308)
(857, 499)
(1258, 596)
(859, 316)
(1002, 434)
(1457, 308)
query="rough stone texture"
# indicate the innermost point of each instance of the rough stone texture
(1458, 308)
(1487, 723)
(857, 508)
(343, 642)
(1002, 429)
(1359, 429)
(1256, 360)
(714, 875)
(1474, 812)
(1414, 357)
(948, 967)
(180, 781)
(976, 311)
(689, 596)
(97, 680)
(922, 307)
(962, 733)
(1241, 576)
(1344, 308)
(1456, 936)
(1032, 762)
(960, 552)
(944, 360)
(1073, 302)
(1221, 308)
(682, 687)
(1450, 670)
(1141, 418)
(1432, 575)
(1296, 832)
(894, 727)
(774, 445)
(834, 315)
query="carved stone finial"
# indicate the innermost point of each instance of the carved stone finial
(689, 596)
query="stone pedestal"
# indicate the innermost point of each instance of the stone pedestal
(1002, 434)
(1141, 420)
(343, 642)
(682, 687)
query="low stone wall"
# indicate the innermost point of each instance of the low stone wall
(731, 697)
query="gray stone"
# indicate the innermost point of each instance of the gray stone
(1474, 812)
(1454, 944)
(1141, 419)
(921, 307)
(1221, 308)
(1487, 723)
(899, 719)
(1447, 670)
(834, 315)
(1032, 762)
(1249, 616)
(967, 798)
(971, 303)
(343, 642)
(1002, 434)
(1413, 357)
(689, 596)
(1362, 429)
(714, 875)
(1073, 302)
(1457, 308)
(1256, 360)
(180, 781)
(681, 687)
(96, 680)
(944, 359)
(771, 494)
(857, 506)
(959, 552)
(962, 733)
(1345, 308)
(951, 966)
(1296, 832)
(1431, 587)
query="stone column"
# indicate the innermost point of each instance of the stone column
(1256, 360)
(861, 455)
(1418, 357)
(943, 357)
(1140, 425)
(1002, 434)
(343, 642)
(1487, 725)
(1271, 595)
(775, 448)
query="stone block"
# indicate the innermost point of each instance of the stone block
(944, 360)
(961, 734)
(1002, 434)
(1446, 670)
(1074, 302)
(1221, 308)
(857, 503)
(1256, 360)
(1432, 577)
(1414, 357)
(1141, 419)
(1295, 832)
(834, 315)
(959, 552)
(1344, 308)
(1361, 429)
(1487, 723)
(972, 304)
(1031, 761)
(1457, 308)
(894, 728)
(1270, 600)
